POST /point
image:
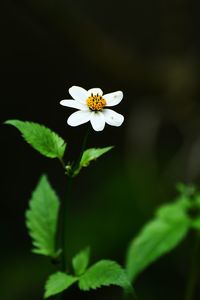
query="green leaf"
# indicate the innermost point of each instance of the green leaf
(81, 261)
(197, 200)
(92, 154)
(42, 217)
(158, 237)
(176, 211)
(104, 273)
(57, 283)
(88, 156)
(196, 224)
(185, 190)
(41, 138)
(193, 208)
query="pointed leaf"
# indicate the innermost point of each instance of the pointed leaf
(41, 138)
(42, 217)
(158, 237)
(104, 273)
(92, 154)
(57, 283)
(81, 261)
(88, 156)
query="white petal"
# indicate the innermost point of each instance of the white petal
(113, 118)
(97, 120)
(78, 93)
(95, 91)
(74, 104)
(113, 99)
(79, 117)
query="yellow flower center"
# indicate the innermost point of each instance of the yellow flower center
(96, 102)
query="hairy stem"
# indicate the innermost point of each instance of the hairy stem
(192, 278)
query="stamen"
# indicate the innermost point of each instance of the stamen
(96, 102)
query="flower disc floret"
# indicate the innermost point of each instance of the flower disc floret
(96, 102)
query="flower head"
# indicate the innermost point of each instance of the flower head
(92, 106)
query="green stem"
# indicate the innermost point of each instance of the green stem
(192, 279)
(83, 146)
(64, 223)
(62, 163)
(63, 218)
(130, 296)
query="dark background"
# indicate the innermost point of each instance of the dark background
(150, 51)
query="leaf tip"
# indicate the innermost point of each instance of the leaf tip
(9, 122)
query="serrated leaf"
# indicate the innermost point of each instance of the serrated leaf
(92, 154)
(57, 283)
(80, 261)
(42, 217)
(157, 237)
(41, 138)
(104, 273)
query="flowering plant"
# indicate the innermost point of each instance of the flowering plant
(46, 214)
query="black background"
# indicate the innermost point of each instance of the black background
(150, 51)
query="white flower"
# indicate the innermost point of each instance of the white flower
(92, 106)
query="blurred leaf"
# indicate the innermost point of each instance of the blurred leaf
(41, 138)
(57, 283)
(104, 273)
(197, 200)
(158, 237)
(194, 210)
(196, 224)
(185, 190)
(81, 261)
(42, 217)
(174, 211)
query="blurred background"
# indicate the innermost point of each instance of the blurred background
(150, 51)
